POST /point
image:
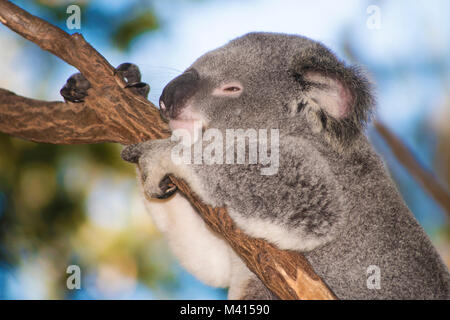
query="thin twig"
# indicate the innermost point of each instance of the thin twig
(407, 159)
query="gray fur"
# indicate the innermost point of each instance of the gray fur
(331, 191)
(255, 290)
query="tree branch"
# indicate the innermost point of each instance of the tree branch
(112, 114)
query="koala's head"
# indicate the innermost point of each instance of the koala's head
(266, 80)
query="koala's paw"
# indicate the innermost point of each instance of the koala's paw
(132, 76)
(132, 153)
(76, 87)
(152, 158)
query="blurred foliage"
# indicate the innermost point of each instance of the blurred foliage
(43, 213)
(120, 28)
(137, 25)
(56, 9)
(45, 189)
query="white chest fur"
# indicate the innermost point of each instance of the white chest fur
(198, 249)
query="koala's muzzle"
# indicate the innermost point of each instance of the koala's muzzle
(177, 92)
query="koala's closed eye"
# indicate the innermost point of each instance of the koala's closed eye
(231, 89)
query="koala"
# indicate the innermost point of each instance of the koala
(323, 191)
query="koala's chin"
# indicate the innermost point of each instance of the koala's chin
(187, 124)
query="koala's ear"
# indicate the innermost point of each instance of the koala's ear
(338, 99)
(328, 94)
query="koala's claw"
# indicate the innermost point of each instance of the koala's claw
(75, 89)
(141, 88)
(129, 71)
(131, 74)
(167, 187)
(151, 159)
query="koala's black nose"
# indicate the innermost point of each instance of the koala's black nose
(175, 95)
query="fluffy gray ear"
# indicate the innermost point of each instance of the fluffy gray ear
(339, 97)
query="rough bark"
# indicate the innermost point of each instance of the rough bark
(112, 114)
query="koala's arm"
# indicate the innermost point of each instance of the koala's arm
(202, 252)
(297, 208)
